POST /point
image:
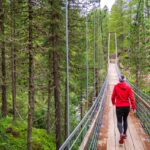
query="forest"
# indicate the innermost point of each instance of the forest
(34, 75)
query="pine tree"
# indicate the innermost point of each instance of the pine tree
(31, 78)
(55, 43)
(13, 57)
(3, 58)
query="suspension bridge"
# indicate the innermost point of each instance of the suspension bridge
(98, 128)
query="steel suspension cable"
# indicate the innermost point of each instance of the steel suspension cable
(101, 39)
(99, 51)
(116, 48)
(94, 54)
(145, 34)
(108, 49)
(67, 73)
(87, 66)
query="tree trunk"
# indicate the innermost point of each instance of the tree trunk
(2, 46)
(13, 59)
(96, 84)
(49, 106)
(31, 80)
(81, 106)
(54, 40)
(57, 98)
(137, 76)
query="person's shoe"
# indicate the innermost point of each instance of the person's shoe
(124, 136)
(121, 141)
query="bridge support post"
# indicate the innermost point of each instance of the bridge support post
(108, 49)
(116, 48)
(67, 73)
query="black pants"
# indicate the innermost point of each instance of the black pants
(122, 114)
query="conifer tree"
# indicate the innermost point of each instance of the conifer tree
(55, 24)
(31, 77)
(3, 59)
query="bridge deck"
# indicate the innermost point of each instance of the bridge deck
(109, 135)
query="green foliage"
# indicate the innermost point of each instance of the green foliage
(127, 19)
(13, 136)
(130, 20)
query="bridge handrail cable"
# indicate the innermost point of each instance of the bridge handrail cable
(83, 123)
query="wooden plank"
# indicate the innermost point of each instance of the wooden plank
(134, 135)
(111, 131)
(128, 141)
(136, 139)
(140, 131)
(111, 144)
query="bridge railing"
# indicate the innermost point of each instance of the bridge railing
(140, 93)
(92, 145)
(76, 137)
(90, 140)
(142, 104)
(143, 112)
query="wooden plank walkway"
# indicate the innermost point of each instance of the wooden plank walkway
(109, 134)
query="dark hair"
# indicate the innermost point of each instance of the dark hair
(121, 78)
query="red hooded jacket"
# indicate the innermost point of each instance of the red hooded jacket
(122, 96)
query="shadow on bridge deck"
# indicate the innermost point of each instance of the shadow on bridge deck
(109, 135)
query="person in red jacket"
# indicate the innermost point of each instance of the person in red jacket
(122, 98)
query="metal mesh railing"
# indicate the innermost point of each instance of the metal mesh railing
(140, 93)
(76, 137)
(94, 139)
(143, 112)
